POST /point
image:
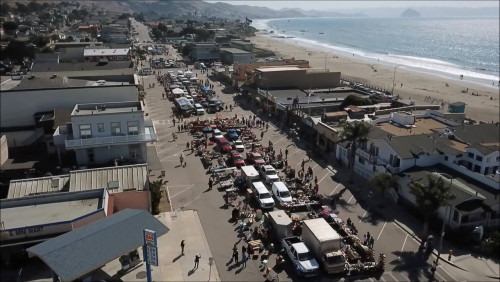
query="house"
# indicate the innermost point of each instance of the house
(105, 55)
(243, 45)
(293, 76)
(231, 55)
(102, 133)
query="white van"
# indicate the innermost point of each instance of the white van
(281, 192)
(250, 174)
(179, 72)
(262, 196)
(199, 109)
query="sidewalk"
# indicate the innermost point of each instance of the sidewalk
(461, 259)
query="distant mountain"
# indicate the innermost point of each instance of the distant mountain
(197, 8)
(410, 13)
(429, 12)
(326, 13)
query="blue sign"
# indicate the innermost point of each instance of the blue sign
(150, 251)
(152, 255)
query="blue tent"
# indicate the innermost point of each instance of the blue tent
(206, 89)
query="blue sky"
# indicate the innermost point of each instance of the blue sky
(347, 5)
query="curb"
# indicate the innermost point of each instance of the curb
(412, 234)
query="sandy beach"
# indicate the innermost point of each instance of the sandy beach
(410, 84)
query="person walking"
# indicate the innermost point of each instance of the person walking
(187, 145)
(181, 159)
(173, 120)
(230, 108)
(372, 242)
(243, 249)
(210, 183)
(178, 128)
(182, 247)
(262, 135)
(235, 256)
(286, 153)
(196, 260)
(243, 260)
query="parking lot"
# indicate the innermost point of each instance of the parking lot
(187, 188)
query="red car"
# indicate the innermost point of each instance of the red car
(236, 159)
(223, 145)
(255, 158)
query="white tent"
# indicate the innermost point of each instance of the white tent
(173, 86)
(177, 91)
(188, 74)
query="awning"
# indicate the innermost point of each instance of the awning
(85, 249)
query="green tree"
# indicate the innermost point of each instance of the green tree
(155, 189)
(429, 198)
(356, 101)
(384, 181)
(17, 50)
(40, 41)
(70, 39)
(354, 133)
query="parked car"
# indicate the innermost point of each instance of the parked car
(223, 145)
(255, 158)
(262, 196)
(238, 145)
(303, 260)
(199, 109)
(236, 159)
(232, 134)
(281, 192)
(268, 173)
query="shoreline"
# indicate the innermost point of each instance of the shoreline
(419, 85)
(421, 64)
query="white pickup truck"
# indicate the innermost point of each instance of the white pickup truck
(268, 173)
(304, 262)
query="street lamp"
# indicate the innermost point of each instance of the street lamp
(442, 234)
(394, 79)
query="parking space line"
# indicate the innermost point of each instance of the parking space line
(335, 189)
(294, 153)
(362, 217)
(392, 276)
(187, 203)
(448, 273)
(352, 196)
(380, 234)
(164, 150)
(328, 173)
(403, 247)
(184, 190)
(279, 140)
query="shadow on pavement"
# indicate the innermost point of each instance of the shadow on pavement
(409, 262)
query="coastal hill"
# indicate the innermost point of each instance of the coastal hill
(410, 13)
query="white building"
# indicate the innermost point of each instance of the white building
(102, 132)
(105, 55)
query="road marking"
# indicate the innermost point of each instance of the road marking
(439, 275)
(279, 141)
(335, 189)
(363, 216)
(323, 178)
(180, 185)
(392, 276)
(164, 150)
(380, 234)
(184, 190)
(314, 166)
(187, 203)
(294, 153)
(404, 243)
(352, 196)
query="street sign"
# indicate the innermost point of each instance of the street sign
(149, 237)
(152, 255)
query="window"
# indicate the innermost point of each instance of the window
(90, 155)
(361, 160)
(479, 158)
(85, 131)
(133, 127)
(446, 158)
(470, 155)
(116, 128)
(134, 151)
(459, 156)
(100, 127)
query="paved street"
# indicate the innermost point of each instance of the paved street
(187, 189)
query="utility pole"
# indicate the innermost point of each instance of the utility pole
(442, 235)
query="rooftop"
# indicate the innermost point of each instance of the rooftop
(115, 179)
(106, 52)
(34, 186)
(80, 66)
(234, 51)
(45, 209)
(421, 126)
(107, 108)
(276, 69)
(45, 82)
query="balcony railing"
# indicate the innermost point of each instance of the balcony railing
(110, 140)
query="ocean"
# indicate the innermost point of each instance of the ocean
(450, 47)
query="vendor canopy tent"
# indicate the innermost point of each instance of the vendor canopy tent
(178, 91)
(188, 73)
(83, 250)
(184, 104)
(205, 89)
(173, 86)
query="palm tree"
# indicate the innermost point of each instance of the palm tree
(385, 181)
(354, 133)
(430, 197)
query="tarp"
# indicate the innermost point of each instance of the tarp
(178, 91)
(174, 86)
(207, 129)
(206, 89)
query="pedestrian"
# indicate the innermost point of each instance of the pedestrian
(235, 256)
(433, 268)
(210, 183)
(182, 247)
(179, 128)
(231, 108)
(262, 135)
(372, 242)
(226, 108)
(187, 145)
(181, 159)
(286, 153)
(243, 260)
(267, 126)
(316, 180)
(173, 120)
(196, 260)
(303, 163)
(163, 95)
(243, 249)
(450, 254)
